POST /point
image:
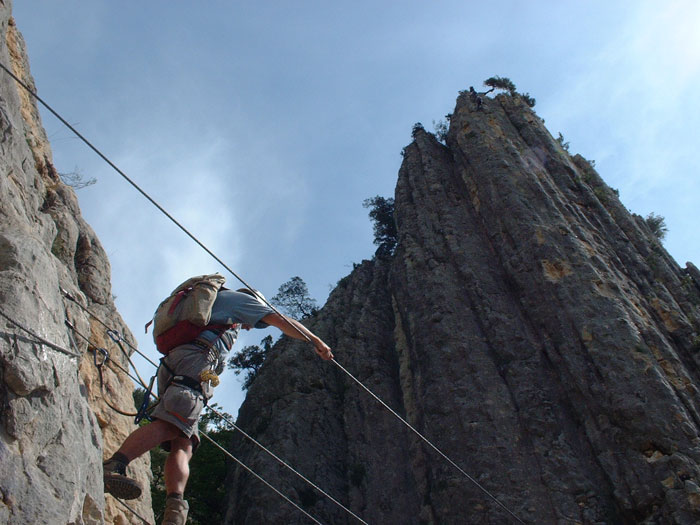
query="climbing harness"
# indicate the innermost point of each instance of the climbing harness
(224, 265)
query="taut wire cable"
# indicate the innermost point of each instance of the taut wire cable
(38, 337)
(440, 452)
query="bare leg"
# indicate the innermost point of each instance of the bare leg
(149, 436)
(177, 466)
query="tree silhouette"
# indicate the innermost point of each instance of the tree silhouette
(382, 214)
(293, 297)
(657, 225)
(500, 83)
(249, 360)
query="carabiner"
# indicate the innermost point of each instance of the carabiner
(105, 357)
(114, 335)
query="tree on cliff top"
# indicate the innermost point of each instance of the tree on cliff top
(500, 83)
(293, 297)
(507, 84)
(382, 214)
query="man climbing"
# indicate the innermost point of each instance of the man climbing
(184, 386)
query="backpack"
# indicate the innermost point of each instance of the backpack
(186, 312)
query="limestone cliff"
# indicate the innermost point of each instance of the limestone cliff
(527, 324)
(54, 423)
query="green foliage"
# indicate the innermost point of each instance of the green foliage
(440, 128)
(249, 360)
(381, 211)
(560, 140)
(657, 225)
(206, 490)
(293, 297)
(503, 83)
(416, 128)
(530, 101)
(507, 84)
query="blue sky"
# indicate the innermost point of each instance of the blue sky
(262, 126)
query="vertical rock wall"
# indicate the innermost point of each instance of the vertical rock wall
(54, 423)
(528, 325)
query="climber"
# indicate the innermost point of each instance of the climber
(183, 395)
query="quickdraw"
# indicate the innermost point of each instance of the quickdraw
(99, 364)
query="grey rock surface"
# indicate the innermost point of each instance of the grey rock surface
(54, 423)
(528, 325)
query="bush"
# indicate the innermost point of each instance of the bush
(560, 140)
(382, 214)
(530, 101)
(440, 130)
(657, 225)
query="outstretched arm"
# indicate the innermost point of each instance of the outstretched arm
(295, 329)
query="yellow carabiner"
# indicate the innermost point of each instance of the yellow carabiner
(208, 375)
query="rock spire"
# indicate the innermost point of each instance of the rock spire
(527, 324)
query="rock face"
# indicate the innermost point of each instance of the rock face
(54, 421)
(528, 325)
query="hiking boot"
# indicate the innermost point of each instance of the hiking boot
(116, 481)
(175, 511)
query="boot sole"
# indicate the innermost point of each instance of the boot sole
(122, 487)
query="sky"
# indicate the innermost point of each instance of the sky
(262, 126)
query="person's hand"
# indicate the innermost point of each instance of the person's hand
(323, 350)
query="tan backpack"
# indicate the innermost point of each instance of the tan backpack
(186, 312)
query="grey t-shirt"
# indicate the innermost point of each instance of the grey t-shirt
(234, 308)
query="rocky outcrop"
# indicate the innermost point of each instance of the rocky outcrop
(54, 423)
(527, 324)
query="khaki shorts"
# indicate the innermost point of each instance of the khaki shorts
(180, 405)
